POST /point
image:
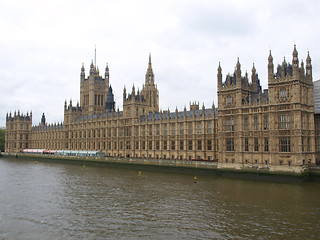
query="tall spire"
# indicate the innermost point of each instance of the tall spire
(219, 76)
(308, 68)
(149, 74)
(270, 68)
(295, 60)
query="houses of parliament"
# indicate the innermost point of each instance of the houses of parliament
(278, 126)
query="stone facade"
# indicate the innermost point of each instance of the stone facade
(250, 127)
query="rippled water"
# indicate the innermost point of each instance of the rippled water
(64, 201)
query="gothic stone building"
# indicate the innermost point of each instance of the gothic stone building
(250, 127)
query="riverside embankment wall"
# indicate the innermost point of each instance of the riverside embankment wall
(265, 173)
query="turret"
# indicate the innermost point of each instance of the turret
(92, 68)
(238, 74)
(133, 93)
(283, 68)
(43, 120)
(124, 94)
(110, 103)
(219, 77)
(295, 63)
(82, 74)
(106, 75)
(149, 74)
(254, 78)
(308, 69)
(270, 68)
(302, 73)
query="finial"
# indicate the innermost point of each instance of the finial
(253, 68)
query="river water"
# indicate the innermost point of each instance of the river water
(64, 201)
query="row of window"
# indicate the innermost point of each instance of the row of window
(284, 144)
(284, 123)
(148, 145)
(141, 130)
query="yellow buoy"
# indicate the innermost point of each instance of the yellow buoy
(139, 174)
(84, 165)
(195, 179)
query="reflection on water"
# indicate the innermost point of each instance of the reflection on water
(62, 201)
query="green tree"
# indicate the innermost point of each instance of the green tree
(2, 136)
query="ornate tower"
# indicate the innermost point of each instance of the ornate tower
(291, 107)
(150, 91)
(18, 132)
(93, 90)
(110, 103)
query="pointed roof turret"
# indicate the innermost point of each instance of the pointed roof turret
(219, 68)
(149, 74)
(238, 65)
(270, 58)
(295, 60)
(308, 60)
(106, 74)
(253, 70)
(295, 52)
(133, 90)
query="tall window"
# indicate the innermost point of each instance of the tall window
(181, 128)
(285, 145)
(199, 127)
(157, 130)
(190, 145)
(229, 124)
(209, 145)
(143, 130)
(173, 145)
(229, 100)
(150, 130)
(209, 129)
(246, 123)
(265, 122)
(128, 145)
(181, 144)
(165, 145)
(199, 145)
(285, 121)
(246, 144)
(266, 144)
(255, 123)
(283, 94)
(256, 144)
(230, 144)
(165, 131)
(173, 129)
(190, 130)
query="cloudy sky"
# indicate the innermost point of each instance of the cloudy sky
(44, 43)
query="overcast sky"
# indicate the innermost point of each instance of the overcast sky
(44, 43)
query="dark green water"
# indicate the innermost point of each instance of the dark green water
(64, 201)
